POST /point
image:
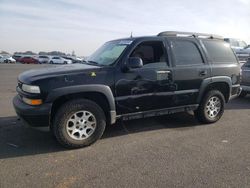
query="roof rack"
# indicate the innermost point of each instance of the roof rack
(189, 34)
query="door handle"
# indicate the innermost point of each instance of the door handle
(163, 75)
(203, 73)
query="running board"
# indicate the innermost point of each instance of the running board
(159, 112)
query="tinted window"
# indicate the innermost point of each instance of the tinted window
(186, 53)
(219, 51)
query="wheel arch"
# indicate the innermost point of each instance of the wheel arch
(221, 83)
(100, 94)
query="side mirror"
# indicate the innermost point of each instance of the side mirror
(134, 62)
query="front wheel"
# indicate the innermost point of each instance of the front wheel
(211, 107)
(79, 123)
(243, 94)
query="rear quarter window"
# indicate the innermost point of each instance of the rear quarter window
(219, 51)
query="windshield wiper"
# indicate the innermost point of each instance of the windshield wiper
(93, 62)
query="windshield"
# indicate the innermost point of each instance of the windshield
(109, 52)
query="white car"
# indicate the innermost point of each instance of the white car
(43, 59)
(59, 60)
(7, 59)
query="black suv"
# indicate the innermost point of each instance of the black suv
(127, 79)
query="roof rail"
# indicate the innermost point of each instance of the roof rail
(189, 34)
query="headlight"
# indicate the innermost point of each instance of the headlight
(30, 89)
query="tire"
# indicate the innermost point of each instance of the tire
(243, 94)
(206, 112)
(64, 122)
(51, 62)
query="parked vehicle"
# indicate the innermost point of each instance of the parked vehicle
(59, 60)
(245, 82)
(6, 59)
(28, 60)
(2, 59)
(43, 59)
(239, 46)
(128, 79)
(17, 57)
(10, 60)
(73, 59)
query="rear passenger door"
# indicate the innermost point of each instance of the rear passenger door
(190, 68)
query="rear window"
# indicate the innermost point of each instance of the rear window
(219, 51)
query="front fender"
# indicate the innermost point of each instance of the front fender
(105, 90)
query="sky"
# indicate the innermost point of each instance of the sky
(84, 25)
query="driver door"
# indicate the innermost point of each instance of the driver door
(146, 88)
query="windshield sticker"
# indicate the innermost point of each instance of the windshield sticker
(126, 42)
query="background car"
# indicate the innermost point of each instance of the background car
(10, 60)
(245, 81)
(239, 47)
(28, 60)
(43, 59)
(6, 59)
(1, 59)
(236, 44)
(73, 59)
(17, 57)
(60, 60)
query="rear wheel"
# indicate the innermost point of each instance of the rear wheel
(211, 108)
(79, 123)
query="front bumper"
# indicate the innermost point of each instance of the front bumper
(34, 116)
(246, 88)
(235, 91)
(243, 58)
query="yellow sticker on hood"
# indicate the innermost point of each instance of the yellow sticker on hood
(93, 74)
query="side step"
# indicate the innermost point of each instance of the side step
(159, 112)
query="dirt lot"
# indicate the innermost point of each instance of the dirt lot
(169, 151)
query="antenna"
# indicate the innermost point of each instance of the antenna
(131, 34)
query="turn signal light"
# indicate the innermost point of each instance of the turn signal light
(33, 102)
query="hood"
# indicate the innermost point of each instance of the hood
(51, 71)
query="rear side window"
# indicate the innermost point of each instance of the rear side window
(186, 53)
(219, 51)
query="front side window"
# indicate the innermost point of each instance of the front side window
(109, 52)
(151, 53)
(186, 53)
